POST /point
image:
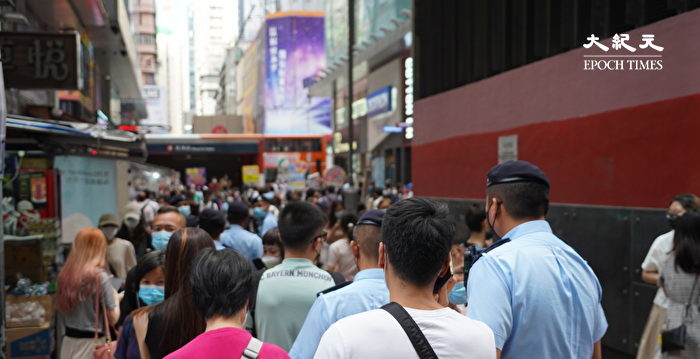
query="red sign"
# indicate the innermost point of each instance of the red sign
(219, 129)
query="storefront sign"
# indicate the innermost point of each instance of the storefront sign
(40, 60)
(408, 96)
(196, 176)
(392, 129)
(251, 174)
(359, 109)
(379, 102)
(339, 146)
(507, 148)
(200, 147)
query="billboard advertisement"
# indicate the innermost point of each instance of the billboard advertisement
(156, 98)
(83, 180)
(294, 53)
(196, 176)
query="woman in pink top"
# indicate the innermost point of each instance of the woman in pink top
(222, 282)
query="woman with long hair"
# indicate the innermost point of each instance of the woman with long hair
(679, 279)
(78, 281)
(167, 326)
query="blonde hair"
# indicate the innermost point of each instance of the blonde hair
(77, 279)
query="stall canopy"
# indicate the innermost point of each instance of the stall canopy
(69, 138)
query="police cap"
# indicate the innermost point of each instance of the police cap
(516, 171)
(372, 217)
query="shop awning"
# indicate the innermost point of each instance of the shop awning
(59, 137)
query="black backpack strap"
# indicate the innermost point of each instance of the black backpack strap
(415, 335)
(337, 277)
(257, 276)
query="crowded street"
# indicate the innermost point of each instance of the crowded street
(350, 179)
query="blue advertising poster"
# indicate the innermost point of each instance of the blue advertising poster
(295, 52)
(88, 190)
(379, 102)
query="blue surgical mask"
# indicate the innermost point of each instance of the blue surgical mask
(458, 294)
(159, 240)
(259, 213)
(184, 210)
(338, 214)
(151, 294)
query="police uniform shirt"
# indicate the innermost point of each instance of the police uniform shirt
(540, 298)
(367, 292)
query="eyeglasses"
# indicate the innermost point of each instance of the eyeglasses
(323, 236)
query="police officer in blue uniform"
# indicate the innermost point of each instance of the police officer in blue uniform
(540, 298)
(367, 292)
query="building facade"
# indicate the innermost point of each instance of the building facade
(499, 80)
(106, 86)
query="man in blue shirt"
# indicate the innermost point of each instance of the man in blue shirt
(239, 239)
(367, 292)
(540, 298)
(263, 212)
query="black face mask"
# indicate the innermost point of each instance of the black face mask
(495, 235)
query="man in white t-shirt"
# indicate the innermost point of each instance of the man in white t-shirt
(121, 256)
(659, 252)
(415, 255)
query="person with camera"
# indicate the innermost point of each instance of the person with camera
(540, 298)
(415, 254)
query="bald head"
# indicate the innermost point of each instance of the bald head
(169, 221)
(368, 238)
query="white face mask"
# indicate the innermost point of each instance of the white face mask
(131, 223)
(271, 261)
(110, 232)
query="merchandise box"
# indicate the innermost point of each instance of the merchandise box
(46, 301)
(30, 342)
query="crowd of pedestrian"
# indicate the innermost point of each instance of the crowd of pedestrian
(268, 273)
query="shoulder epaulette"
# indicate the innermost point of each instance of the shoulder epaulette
(489, 249)
(334, 288)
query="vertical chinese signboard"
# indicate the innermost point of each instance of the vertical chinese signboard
(40, 60)
(294, 53)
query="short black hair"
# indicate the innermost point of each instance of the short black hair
(299, 222)
(522, 200)
(222, 281)
(688, 201)
(237, 212)
(212, 221)
(368, 238)
(167, 209)
(272, 238)
(417, 236)
(474, 218)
